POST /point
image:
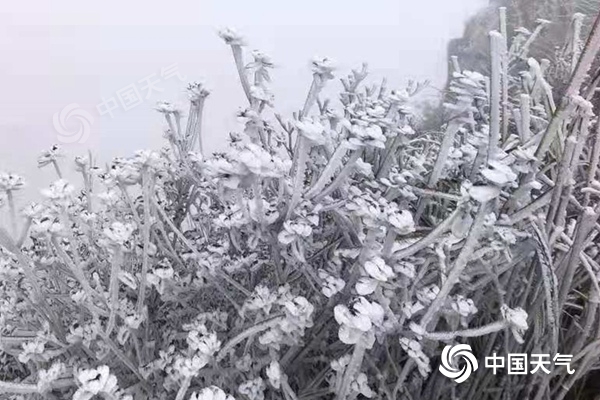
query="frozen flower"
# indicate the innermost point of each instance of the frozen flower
(82, 164)
(395, 179)
(262, 93)
(399, 96)
(410, 309)
(323, 67)
(341, 363)
(46, 225)
(273, 372)
(469, 153)
(32, 350)
(244, 363)
(507, 235)
(148, 159)
(415, 351)
(333, 114)
(353, 324)
(348, 253)
(123, 171)
(405, 268)
(407, 130)
(484, 194)
(298, 312)
(207, 344)
(455, 160)
(272, 337)
(363, 168)
(211, 393)
(262, 299)
(258, 161)
(133, 321)
(331, 285)
(48, 376)
(524, 159)
(371, 309)
(82, 333)
(517, 320)
(110, 198)
(378, 269)
(299, 306)
(293, 230)
(499, 174)
(59, 191)
(251, 116)
(232, 218)
(268, 214)
(254, 389)
(88, 217)
(190, 366)
(402, 222)
(376, 111)
(93, 382)
(197, 91)
(231, 174)
(363, 205)
(467, 87)
(522, 30)
(312, 130)
(361, 385)
(159, 276)
(261, 60)
(49, 156)
(196, 158)
(366, 135)
(231, 37)
(462, 224)
(79, 297)
(8, 269)
(10, 182)
(428, 294)
(119, 233)
(366, 286)
(464, 307)
(165, 107)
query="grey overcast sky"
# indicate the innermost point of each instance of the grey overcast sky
(59, 52)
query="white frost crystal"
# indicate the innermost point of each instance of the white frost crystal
(517, 319)
(211, 393)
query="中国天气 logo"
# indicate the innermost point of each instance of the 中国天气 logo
(450, 357)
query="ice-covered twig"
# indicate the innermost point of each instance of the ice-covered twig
(583, 66)
(496, 91)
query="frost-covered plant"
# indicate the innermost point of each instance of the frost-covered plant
(331, 253)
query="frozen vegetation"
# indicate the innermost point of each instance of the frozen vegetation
(328, 254)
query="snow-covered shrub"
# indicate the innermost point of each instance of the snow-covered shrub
(332, 253)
